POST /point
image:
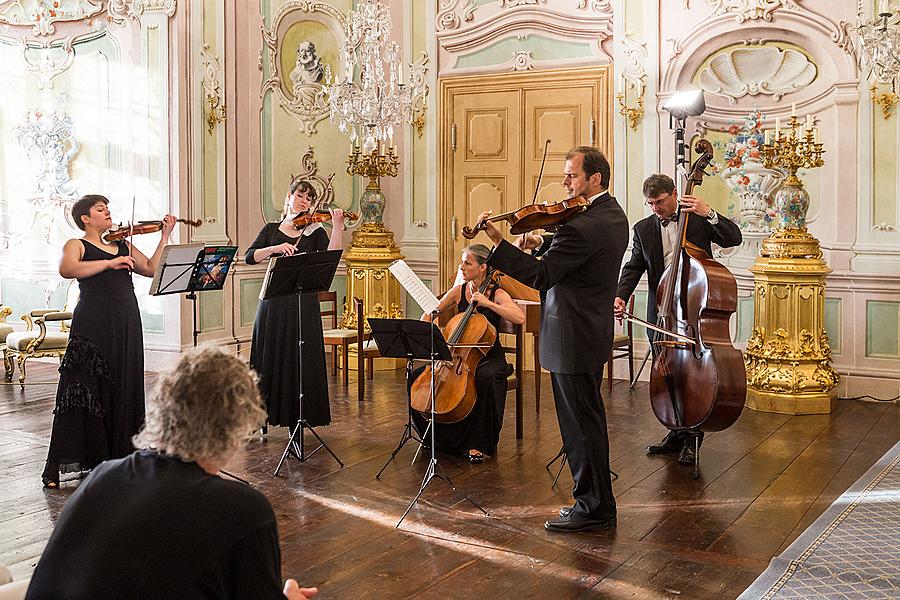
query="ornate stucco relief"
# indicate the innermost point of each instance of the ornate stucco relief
(751, 9)
(448, 19)
(42, 16)
(756, 68)
(300, 95)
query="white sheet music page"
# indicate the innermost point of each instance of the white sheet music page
(414, 286)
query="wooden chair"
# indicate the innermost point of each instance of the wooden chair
(366, 351)
(622, 347)
(40, 343)
(5, 328)
(335, 336)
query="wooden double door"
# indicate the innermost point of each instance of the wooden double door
(492, 140)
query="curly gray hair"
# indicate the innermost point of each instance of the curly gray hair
(204, 408)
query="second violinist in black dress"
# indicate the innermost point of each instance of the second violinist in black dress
(274, 354)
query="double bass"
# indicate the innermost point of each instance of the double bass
(470, 335)
(697, 381)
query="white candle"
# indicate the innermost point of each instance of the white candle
(777, 127)
(816, 135)
(793, 109)
(808, 121)
(401, 75)
(884, 7)
(391, 137)
(767, 136)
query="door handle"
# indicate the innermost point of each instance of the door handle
(454, 226)
(592, 132)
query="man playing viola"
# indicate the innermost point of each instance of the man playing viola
(654, 240)
(576, 277)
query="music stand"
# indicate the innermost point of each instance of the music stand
(304, 273)
(410, 339)
(189, 268)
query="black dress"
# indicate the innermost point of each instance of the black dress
(480, 430)
(154, 526)
(100, 397)
(274, 354)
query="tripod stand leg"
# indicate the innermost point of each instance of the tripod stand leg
(560, 454)
(291, 444)
(696, 473)
(405, 437)
(421, 443)
(641, 369)
(430, 473)
(322, 444)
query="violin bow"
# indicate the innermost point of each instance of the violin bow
(131, 230)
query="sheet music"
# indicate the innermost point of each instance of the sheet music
(414, 286)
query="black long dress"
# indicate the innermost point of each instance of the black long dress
(480, 430)
(274, 354)
(100, 397)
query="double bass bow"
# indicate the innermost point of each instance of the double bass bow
(698, 383)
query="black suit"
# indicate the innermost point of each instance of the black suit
(577, 279)
(647, 255)
(647, 252)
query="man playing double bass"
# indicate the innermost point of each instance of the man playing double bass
(576, 277)
(654, 240)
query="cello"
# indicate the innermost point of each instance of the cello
(470, 335)
(699, 384)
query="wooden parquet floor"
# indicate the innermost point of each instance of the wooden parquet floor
(762, 482)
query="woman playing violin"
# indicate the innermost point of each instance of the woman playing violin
(100, 397)
(274, 354)
(477, 434)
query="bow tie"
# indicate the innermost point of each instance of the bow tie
(665, 222)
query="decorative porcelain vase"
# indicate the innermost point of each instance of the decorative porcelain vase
(753, 184)
(371, 205)
(792, 202)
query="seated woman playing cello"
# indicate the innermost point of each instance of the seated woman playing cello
(476, 435)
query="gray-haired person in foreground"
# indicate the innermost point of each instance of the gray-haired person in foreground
(160, 522)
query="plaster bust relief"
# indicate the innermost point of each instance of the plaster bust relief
(308, 68)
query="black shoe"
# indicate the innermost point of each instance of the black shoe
(687, 453)
(671, 443)
(572, 523)
(565, 511)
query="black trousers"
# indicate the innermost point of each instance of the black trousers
(582, 423)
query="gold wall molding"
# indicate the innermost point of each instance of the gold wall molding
(212, 88)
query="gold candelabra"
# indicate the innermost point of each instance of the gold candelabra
(373, 165)
(796, 150)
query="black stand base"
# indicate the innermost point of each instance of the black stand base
(407, 435)
(233, 476)
(298, 451)
(562, 455)
(431, 473)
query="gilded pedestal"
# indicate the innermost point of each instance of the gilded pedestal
(788, 358)
(372, 251)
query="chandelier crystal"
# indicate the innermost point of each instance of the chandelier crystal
(878, 44)
(369, 97)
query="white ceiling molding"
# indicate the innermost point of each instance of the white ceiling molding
(305, 103)
(601, 6)
(750, 9)
(754, 69)
(41, 17)
(514, 3)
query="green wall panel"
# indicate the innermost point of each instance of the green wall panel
(833, 323)
(882, 329)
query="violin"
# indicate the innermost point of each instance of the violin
(697, 381)
(303, 219)
(534, 216)
(470, 335)
(120, 232)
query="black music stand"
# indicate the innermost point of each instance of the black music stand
(192, 268)
(305, 273)
(411, 339)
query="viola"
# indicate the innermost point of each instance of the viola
(697, 381)
(470, 335)
(303, 219)
(534, 216)
(120, 232)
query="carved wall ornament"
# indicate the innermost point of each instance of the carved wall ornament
(522, 61)
(49, 142)
(309, 171)
(884, 227)
(756, 69)
(299, 93)
(596, 5)
(633, 75)
(42, 15)
(751, 9)
(775, 365)
(48, 67)
(514, 3)
(886, 101)
(447, 19)
(212, 88)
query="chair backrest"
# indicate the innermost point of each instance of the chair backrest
(73, 292)
(517, 349)
(329, 296)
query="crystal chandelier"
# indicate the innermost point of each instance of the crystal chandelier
(369, 97)
(878, 44)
